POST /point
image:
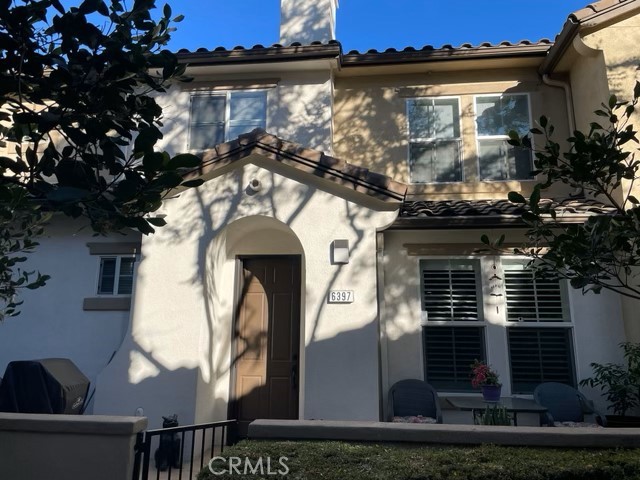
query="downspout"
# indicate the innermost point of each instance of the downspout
(383, 370)
(571, 119)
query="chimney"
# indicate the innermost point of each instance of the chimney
(306, 21)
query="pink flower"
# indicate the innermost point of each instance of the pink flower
(482, 374)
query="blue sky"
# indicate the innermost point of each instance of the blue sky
(380, 24)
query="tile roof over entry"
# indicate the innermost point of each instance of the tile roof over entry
(471, 213)
(313, 162)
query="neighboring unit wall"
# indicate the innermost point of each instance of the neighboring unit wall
(177, 356)
(608, 64)
(371, 127)
(597, 324)
(53, 322)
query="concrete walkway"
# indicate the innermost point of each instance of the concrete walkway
(444, 434)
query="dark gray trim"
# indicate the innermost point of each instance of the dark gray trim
(114, 248)
(107, 303)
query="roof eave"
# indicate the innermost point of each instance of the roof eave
(584, 22)
(262, 55)
(471, 222)
(439, 55)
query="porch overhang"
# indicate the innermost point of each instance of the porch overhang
(469, 214)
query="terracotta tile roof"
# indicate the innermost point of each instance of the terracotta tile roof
(596, 8)
(313, 162)
(448, 52)
(591, 16)
(469, 213)
(260, 53)
(297, 51)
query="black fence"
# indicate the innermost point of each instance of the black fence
(180, 452)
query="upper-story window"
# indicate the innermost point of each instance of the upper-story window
(116, 275)
(220, 117)
(496, 115)
(435, 150)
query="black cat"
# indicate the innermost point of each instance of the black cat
(168, 453)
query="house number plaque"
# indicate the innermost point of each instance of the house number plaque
(340, 296)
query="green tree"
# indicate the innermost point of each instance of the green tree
(604, 251)
(81, 123)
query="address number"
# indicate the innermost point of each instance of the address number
(341, 296)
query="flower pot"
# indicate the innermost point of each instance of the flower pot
(491, 393)
(623, 421)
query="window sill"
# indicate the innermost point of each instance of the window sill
(107, 303)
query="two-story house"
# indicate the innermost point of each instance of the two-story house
(333, 249)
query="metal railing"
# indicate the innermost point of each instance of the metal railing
(169, 454)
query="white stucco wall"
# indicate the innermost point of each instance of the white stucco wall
(299, 107)
(53, 322)
(597, 319)
(179, 342)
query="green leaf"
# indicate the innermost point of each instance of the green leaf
(612, 101)
(485, 239)
(192, 183)
(178, 19)
(157, 221)
(167, 10)
(153, 161)
(534, 199)
(183, 160)
(543, 121)
(515, 197)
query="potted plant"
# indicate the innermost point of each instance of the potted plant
(483, 376)
(620, 384)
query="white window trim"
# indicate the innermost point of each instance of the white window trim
(116, 280)
(478, 137)
(495, 324)
(459, 139)
(227, 109)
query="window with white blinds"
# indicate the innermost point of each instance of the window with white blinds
(534, 315)
(540, 355)
(450, 290)
(448, 355)
(451, 296)
(533, 300)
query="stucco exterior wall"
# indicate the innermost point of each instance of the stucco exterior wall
(607, 64)
(371, 126)
(176, 357)
(52, 322)
(299, 106)
(597, 323)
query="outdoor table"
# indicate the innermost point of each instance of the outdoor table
(513, 405)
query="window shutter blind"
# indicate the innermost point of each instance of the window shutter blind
(449, 291)
(530, 300)
(449, 353)
(540, 355)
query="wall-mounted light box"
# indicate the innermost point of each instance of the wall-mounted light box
(340, 252)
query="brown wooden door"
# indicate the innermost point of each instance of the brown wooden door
(267, 334)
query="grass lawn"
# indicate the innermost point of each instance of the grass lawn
(356, 461)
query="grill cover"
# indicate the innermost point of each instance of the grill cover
(51, 385)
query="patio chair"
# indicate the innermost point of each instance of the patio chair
(565, 405)
(413, 400)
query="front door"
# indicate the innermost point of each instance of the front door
(267, 334)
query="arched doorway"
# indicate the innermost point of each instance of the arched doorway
(265, 380)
